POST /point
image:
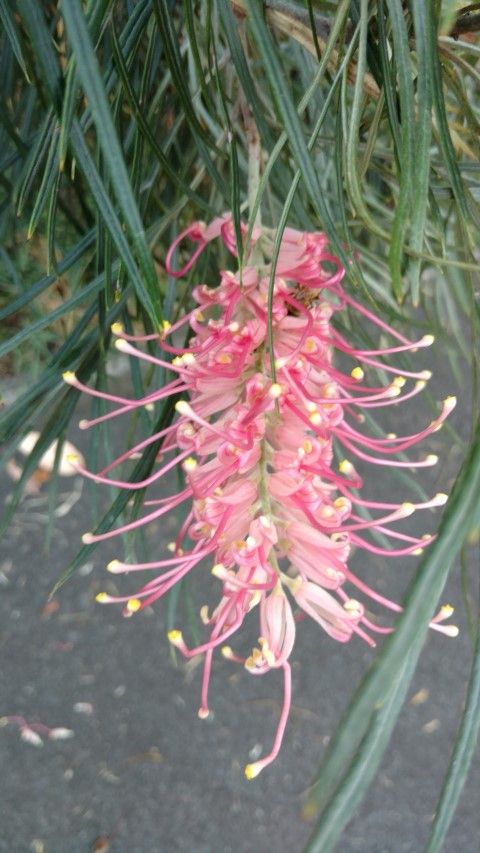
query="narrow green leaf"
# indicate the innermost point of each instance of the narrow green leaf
(352, 129)
(373, 52)
(230, 25)
(41, 41)
(90, 77)
(422, 23)
(280, 173)
(170, 45)
(105, 206)
(339, 167)
(235, 200)
(49, 178)
(435, 73)
(163, 17)
(389, 87)
(68, 111)
(407, 122)
(129, 39)
(63, 266)
(38, 399)
(313, 29)
(363, 768)
(98, 13)
(33, 19)
(139, 114)
(8, 126)
(197, 59)
(11, 30)
(36, 159)
(68, 305)
(293, 127)
(400, 652)
(50, 225)
(80, 352)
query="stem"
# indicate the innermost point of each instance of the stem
(254, 160)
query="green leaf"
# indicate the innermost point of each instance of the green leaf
(33, 19)
(68, 111)
(293, 126)
(130, 37)
(107, 211)
(280, 173)
(37, 399)
(332, 792)
(363, 768)
(50, 225)
(89, 74)
(389, 87)
(196, 55)
(49, 179)
(373, 51)
(354, 183)
(234, 171)
(11, 31)
(79, 351)
(36, 159)
(170, 45)
(41, 41)
(68, 305)
(422, 24)
(139, 115)
(231, 27)
(407, 123)
(63, 266)
(9, 128)
(436, 82)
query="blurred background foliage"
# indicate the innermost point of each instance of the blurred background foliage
(122, 121)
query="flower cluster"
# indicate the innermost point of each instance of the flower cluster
(261, 405)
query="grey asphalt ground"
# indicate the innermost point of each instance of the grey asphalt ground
(142, 773)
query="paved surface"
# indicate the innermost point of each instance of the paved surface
(142, 773)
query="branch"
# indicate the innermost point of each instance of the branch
(467, 21)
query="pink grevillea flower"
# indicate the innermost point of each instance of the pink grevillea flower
(29, 732)
(266, 501)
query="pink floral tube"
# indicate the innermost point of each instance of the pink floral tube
(268, 501)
